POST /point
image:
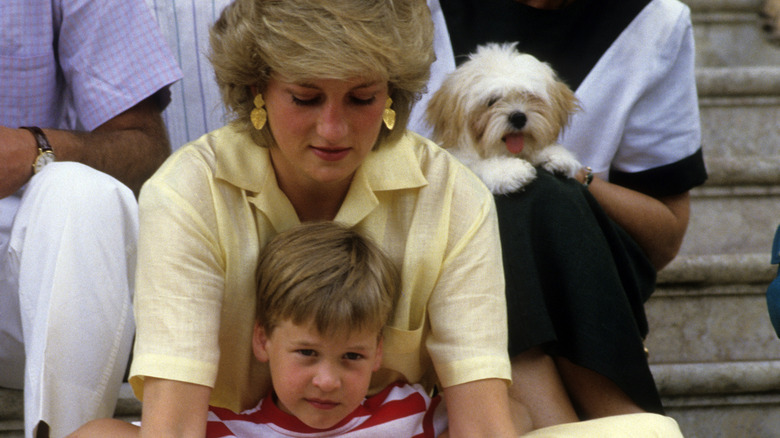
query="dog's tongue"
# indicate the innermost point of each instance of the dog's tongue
(514, 143)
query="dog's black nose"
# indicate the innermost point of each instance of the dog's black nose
(518, 120)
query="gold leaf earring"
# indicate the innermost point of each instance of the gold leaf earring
(258, 115)
(388, 115)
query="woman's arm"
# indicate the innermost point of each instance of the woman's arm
(174, 409)
(479, 409)
(657, 224)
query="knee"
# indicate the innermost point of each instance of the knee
(79, 182)
(75, 187)
(72, 198)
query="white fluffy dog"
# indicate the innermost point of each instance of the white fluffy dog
(500, 113)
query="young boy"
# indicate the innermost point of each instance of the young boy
(324, 296)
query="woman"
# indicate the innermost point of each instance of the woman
(321, 92)
(583, 262)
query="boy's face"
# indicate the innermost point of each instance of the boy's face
(320, 380)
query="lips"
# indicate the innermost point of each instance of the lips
(322, 404)
(330, 154)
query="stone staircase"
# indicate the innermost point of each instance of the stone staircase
(713, 350)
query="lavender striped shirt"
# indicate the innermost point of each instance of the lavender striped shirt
(75, 64)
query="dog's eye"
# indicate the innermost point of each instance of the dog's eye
(492, 101)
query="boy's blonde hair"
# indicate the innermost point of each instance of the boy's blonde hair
(302, 40)
(327, 275)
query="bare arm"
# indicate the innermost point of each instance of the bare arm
(174, 409)
(479, 409)
(657, 224)
(129, 147)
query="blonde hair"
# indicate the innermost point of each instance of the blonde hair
(327, 275)
(335, 39)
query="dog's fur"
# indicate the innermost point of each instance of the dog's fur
(770, 17)
(500, 113)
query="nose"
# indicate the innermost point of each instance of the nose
(327, 378)
(332, 124)
(518, 120)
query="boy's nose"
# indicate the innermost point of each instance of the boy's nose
(327, 378)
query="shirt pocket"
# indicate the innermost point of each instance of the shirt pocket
(403, 352)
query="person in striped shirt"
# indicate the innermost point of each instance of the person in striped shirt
(324, 295)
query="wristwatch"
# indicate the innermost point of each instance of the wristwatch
(45, 152)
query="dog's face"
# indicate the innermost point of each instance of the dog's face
(500, 102)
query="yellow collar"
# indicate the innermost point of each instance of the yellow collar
(244, 164)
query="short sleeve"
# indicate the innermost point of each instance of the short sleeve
(112, 56)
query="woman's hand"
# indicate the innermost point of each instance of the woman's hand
(658, 225)
(479, 409)
(174, 409)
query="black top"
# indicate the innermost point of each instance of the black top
(571, 39)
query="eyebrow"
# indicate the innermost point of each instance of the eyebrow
(314, 345)
(315, 87)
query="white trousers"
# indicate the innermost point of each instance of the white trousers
(66, 281)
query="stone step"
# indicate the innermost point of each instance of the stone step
(713, 351)
(740, 111)
(733, 220)
(737, 210)
(712, 309)
(729, 33)
(755, 415)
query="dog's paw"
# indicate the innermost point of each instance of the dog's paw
(560, 161)
(504, 175)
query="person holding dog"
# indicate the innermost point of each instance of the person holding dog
(321, 93)
(576, 313)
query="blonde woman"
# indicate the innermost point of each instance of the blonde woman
(321, 92)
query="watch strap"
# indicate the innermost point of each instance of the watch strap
(40, 138)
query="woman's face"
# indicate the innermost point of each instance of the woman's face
(323, 128)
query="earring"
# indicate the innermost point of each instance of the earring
(258, 115)
(388, 115)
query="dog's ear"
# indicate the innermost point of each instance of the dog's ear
(440, 116)
(564, 102)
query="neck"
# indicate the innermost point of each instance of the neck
(317, 203)
(546, 4)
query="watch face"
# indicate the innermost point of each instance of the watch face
(43, 159)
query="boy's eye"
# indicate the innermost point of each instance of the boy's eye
(353, 356)
(307, 353)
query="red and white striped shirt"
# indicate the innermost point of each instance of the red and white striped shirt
(399, 411)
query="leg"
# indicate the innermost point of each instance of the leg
(73, 241)
(107, 427)
(594, 395)
(538, 387)
(11, 342)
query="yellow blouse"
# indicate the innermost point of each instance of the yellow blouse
(215, 203)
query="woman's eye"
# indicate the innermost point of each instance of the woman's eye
(300, 101)
(353, 356)
(361, 101)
